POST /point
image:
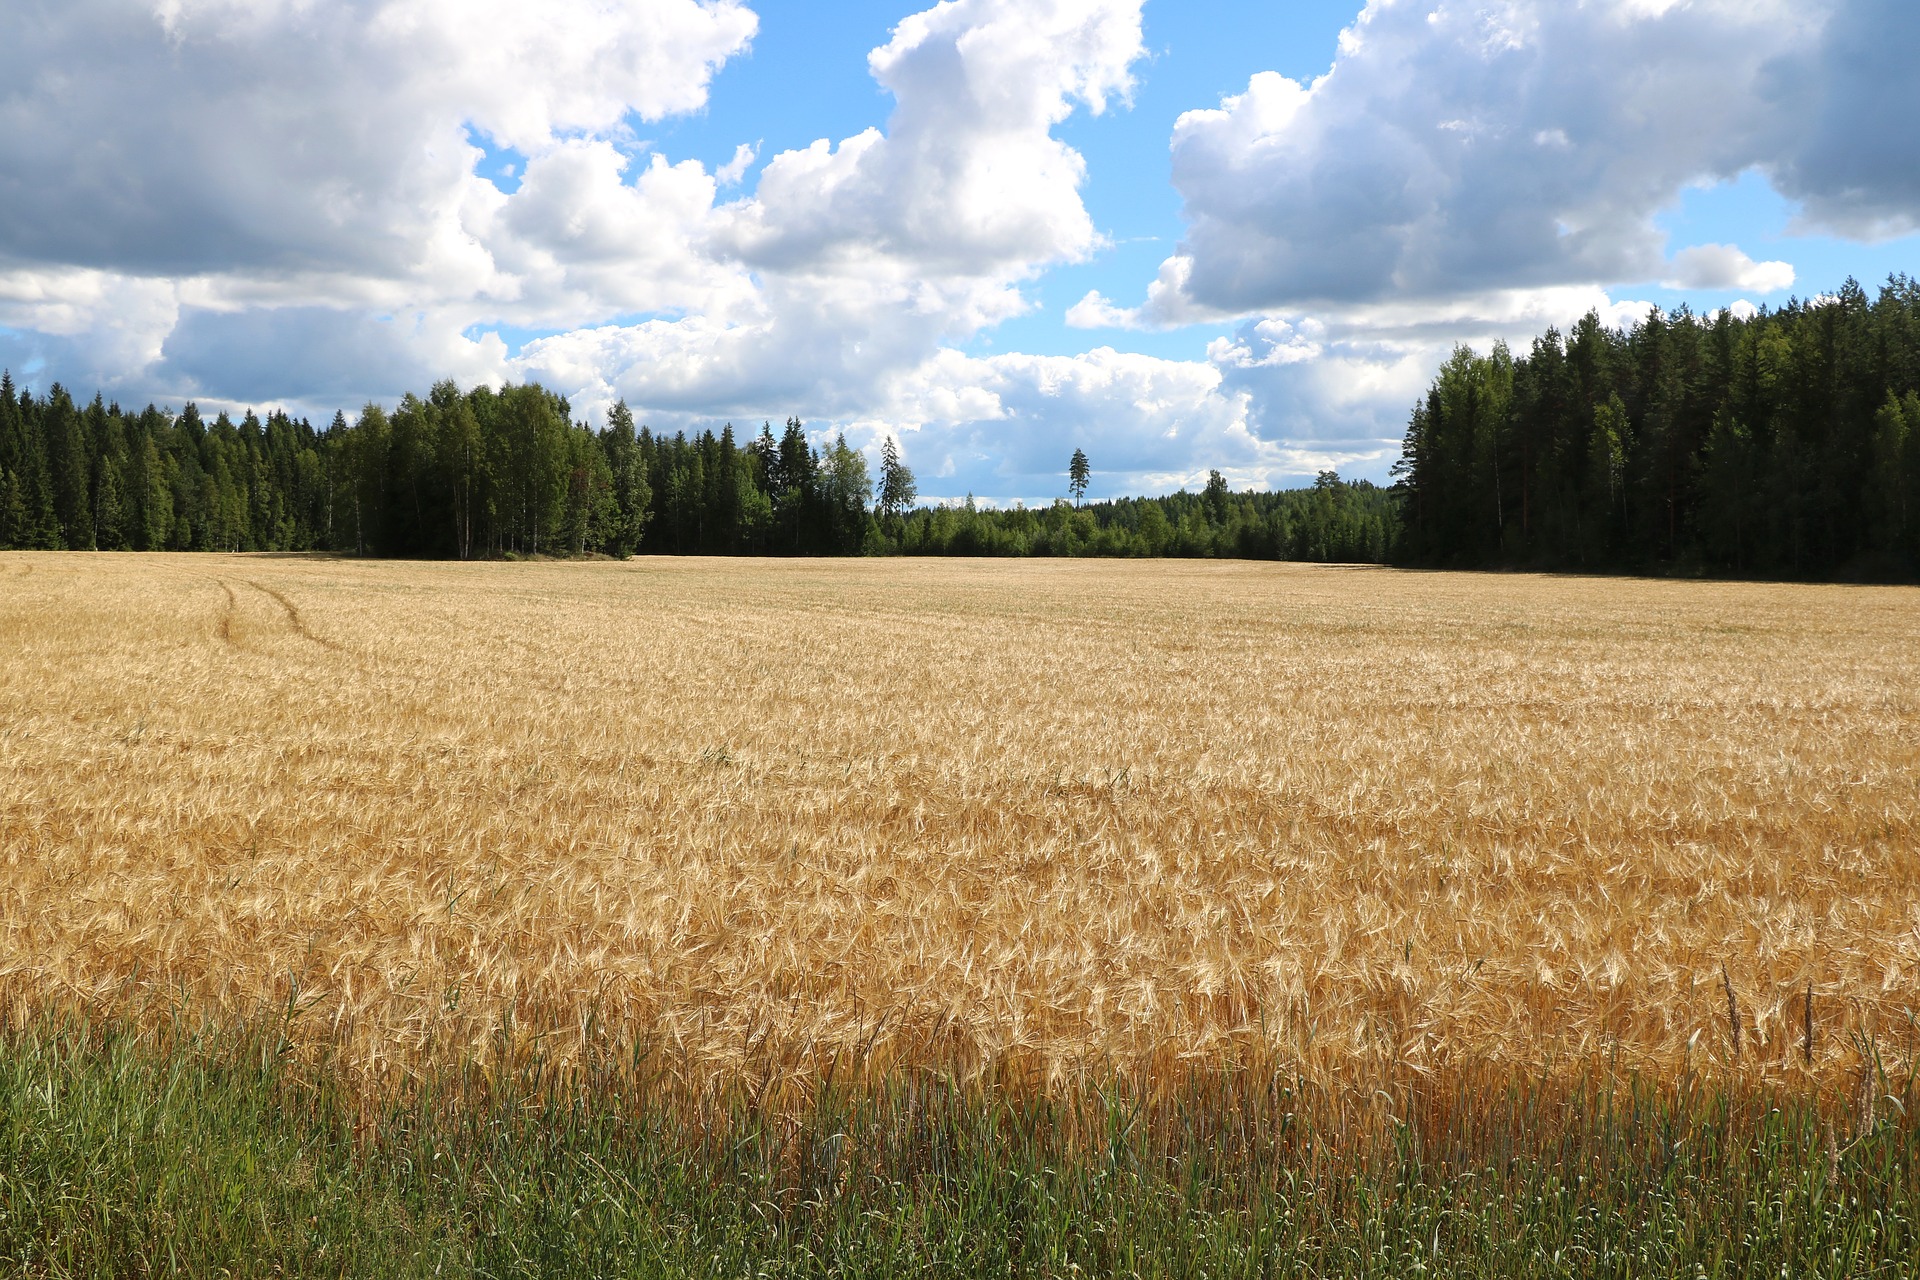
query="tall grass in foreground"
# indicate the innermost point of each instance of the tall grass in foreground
(204, 1152)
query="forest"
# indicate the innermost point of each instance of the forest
(1781, 444)
(506, 473)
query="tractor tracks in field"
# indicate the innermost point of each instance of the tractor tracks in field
(225, 625)
(290, 611)
(294, 619)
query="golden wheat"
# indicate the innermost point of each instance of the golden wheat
(1036, 815)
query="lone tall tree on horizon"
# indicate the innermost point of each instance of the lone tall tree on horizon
(897, 487)
(1078, 473)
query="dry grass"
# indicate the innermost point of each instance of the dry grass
(1037, 815)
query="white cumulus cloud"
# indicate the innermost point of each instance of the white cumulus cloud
(1721, 266)
(869, 254)
(280, 183)
(1462, 148)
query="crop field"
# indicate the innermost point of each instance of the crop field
(1042, 818)
(892, 918)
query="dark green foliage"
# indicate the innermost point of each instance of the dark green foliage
(455, 475)
(153, 521)
(632, 498)
(1335, 521)
(1777, 445)
(844, 490)
(506, 473)
(27, 515)
(66, 435)
(198, 1153)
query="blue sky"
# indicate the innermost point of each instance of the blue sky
(1180, 236)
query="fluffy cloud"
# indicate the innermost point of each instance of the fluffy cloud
(968, 178)
(868, 255)
(1721, 266)
(1009, 422)
(1465, 148)
(346, 357)
(592, 233)
(220, 136)
(1474, 172)
(311, 167)
(335, 209)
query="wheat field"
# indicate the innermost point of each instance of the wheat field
(1039, 817)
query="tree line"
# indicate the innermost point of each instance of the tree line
(507, 472)
(1335, 521)
(481, 473)
(1785, 443)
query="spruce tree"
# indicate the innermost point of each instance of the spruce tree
(109, 519)
(13, 513)
(70, 467)
(12, 529)
(724, 479)
(156, 506)
(632, 497)
(897, 487)
(794, 498)
(1214, 498)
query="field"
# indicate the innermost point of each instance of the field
(1038, 818)
(894, 918)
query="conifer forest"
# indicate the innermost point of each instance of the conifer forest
(1783, 443)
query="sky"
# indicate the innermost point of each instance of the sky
(1232, 234)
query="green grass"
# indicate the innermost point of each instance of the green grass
(204, 1153)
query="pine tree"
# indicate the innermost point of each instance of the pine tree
(1726, 493)
(1078, 474)
(1606, 469)
(898, 491)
